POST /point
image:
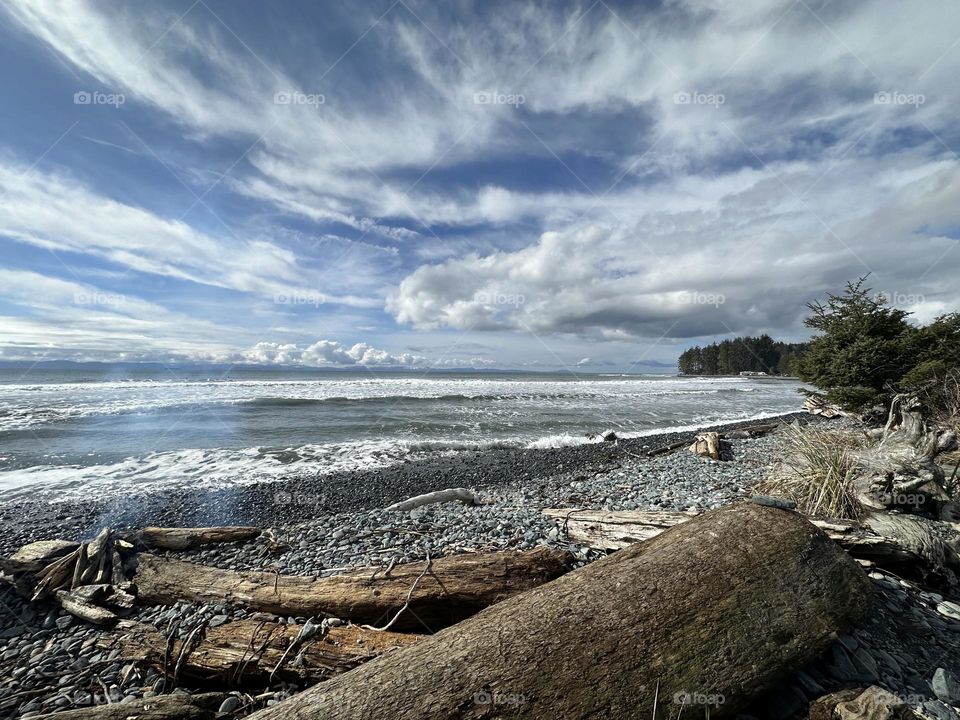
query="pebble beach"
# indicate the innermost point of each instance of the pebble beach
(325, 525)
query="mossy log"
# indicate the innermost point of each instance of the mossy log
(250, 650)
(435, 594)
(721, 606)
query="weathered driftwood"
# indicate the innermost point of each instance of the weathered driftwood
(606, 530)
(735, 434)
(163, 538)
(707, 445)
(463, 495)
(671, 615)
(84, 608)
(899, 471)
(445, 592)
(894, 542)
(816, 405)
(37, 555)
(202, 706)
(251, 650)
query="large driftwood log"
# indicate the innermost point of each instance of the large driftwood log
(250, 650)
(895, 542)
(724, 604)
(162, 707)
(444, 591)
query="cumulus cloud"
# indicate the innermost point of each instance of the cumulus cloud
(699, 261)
(333, 353)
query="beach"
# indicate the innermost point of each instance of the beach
(325, 526)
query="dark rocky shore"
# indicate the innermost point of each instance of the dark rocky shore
(300, 498)
(324, 525)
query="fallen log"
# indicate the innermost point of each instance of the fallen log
(464, 495)
(162, 707)
(187, 538)
(445, 591)
(249, 650)
(725, 604)
(914, 554)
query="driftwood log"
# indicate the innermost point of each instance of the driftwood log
(163, 707)
(668, 616)
(463, 495)
(185, 538)
(250, 651)
(899, 543)
(435, 593)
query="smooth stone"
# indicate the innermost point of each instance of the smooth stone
(946, 686)
(229, 704)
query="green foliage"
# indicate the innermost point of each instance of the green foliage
(863, 349)
(729, 357)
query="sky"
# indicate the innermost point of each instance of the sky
(493, 184)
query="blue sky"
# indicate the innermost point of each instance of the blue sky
(549, 185)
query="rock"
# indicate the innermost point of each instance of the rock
(822, 708)
(874, 703)
(946, 687)
(950, 609)
(229, 704)
(940, 711)
(218, 620)
(608, 436)
(768, 501)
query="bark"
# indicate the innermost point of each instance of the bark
(439, 496)
(163, 707)
(898, 543)
(186, 538)
(249, 651)
(452, 589)
(725, 604)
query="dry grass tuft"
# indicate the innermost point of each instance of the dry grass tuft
(818, 471)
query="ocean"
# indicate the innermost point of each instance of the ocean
(65, 433)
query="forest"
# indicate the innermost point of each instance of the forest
(733, 356)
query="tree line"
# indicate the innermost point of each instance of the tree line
(733, 356)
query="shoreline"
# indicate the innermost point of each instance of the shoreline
(299, 498)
